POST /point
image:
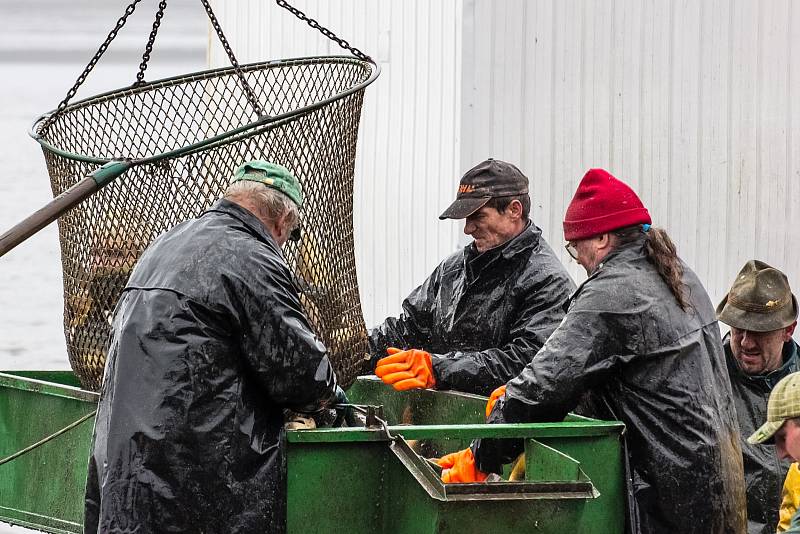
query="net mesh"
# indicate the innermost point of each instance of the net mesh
(103, 237)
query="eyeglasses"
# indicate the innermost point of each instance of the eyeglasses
(295, 234)
(572, 251)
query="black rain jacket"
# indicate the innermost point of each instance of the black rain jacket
(209, 345)
(482, 316)
(764, 472)
(627, 351)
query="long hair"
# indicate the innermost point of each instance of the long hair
(661, 252)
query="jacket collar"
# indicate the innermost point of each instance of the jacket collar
(526, 240)
(620, 254)
(246, 217)
(790, 364)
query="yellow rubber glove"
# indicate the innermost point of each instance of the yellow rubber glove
(496, 394)
(406, 369)
(459, 467)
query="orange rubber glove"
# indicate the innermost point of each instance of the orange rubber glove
(459, 467)
(406, 369)
(496, 394)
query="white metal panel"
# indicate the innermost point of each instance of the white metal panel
(694, 104)
(407, 166)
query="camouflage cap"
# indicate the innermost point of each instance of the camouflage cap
(783, 404)
(272, 175)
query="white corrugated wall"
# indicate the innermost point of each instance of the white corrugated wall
(694, 104)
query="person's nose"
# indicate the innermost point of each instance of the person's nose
(469, 227)
(780, 448)
(748, 341)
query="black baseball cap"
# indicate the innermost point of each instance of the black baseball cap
(486, 180)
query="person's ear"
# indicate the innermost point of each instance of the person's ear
(788, 331)
(603, 241)
(515, 209)
(280, 228)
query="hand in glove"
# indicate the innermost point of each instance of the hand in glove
(459, 467)
(496, 394)
(406, 369)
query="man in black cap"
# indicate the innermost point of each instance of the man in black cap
(487, 309)
(762, 313)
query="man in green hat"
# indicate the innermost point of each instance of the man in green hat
(762, 313)
(782, 429)
(209, 347)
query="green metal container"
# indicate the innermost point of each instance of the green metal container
(43, 488)
(360, 479)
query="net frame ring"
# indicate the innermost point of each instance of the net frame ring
(175, 134)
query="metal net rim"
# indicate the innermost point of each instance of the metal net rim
(263, 122)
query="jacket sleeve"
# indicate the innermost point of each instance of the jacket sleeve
(790, 498)
(481, 372)
(580, 354)
(278, 343)
(413, 327)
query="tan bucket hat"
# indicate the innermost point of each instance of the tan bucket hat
(760, 300)
(783, 404)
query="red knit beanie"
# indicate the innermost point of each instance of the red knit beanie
(602, 204)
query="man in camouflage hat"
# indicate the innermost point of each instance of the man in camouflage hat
(781, 431)
(762, 313)
(209, 346)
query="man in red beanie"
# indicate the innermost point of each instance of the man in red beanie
(639, 344)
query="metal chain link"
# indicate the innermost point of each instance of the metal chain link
(251, 96)
(100, 51)
(148, 49)
(323, 30)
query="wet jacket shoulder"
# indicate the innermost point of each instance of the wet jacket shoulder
(482, 316)
(209, 345)
(627, 351)
(764, 472)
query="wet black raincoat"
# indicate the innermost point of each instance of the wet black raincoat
(209, 346)
(627, 351)
(482, 316)
(764, 472)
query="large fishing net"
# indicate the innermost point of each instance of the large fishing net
(186, 136)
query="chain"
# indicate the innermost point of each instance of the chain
(149, 48)
(251, 96)
(100, 51)
(323, 30)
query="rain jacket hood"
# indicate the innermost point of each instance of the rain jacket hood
(764, 472)
(482, 316)
(627, 351)
(209, 345)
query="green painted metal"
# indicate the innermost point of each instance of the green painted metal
(343, 480)
(547, 463)
(211, 141)
(575, 485)
(108, 172)
(43, 488)
(362, 486)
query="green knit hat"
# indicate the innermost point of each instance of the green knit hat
(272, 175)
